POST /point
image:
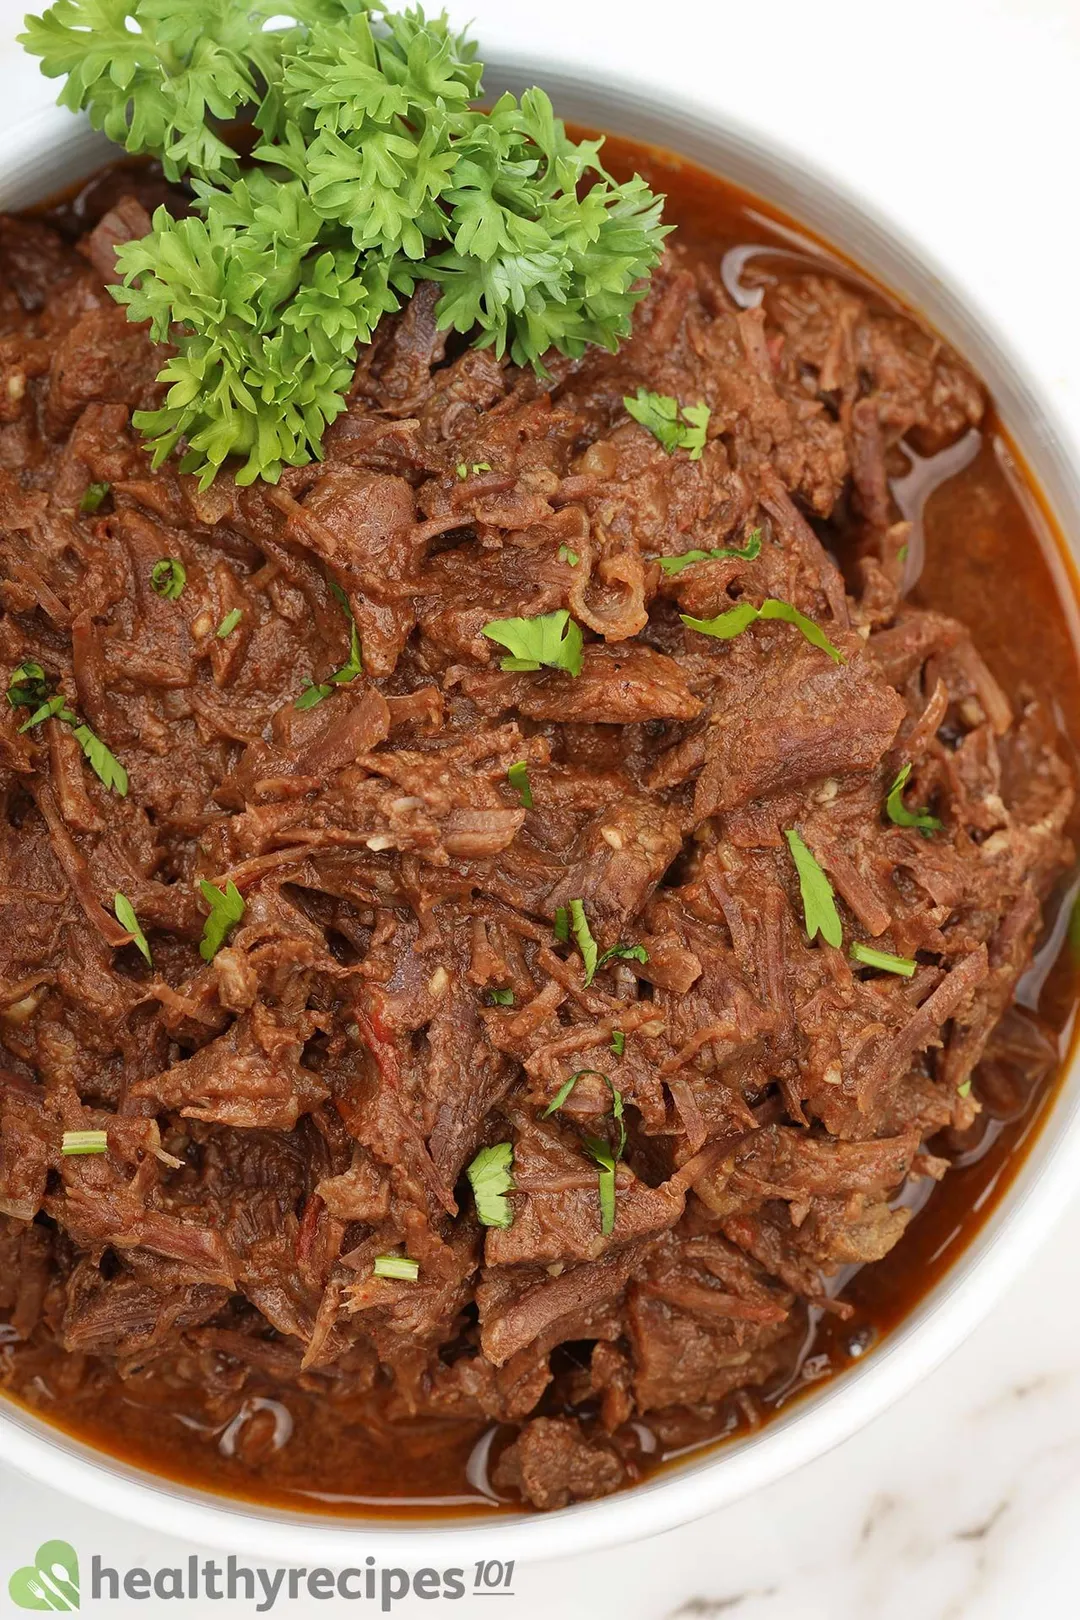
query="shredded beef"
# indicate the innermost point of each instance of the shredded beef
(310, 1098)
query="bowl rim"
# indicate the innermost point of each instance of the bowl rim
(1042, 1187)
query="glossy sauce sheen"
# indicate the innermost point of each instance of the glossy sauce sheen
(990, 557)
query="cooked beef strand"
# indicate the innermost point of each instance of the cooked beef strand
(309, 1099)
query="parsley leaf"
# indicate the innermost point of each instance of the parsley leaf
(93, 495)
(395, 174)
(28, 685)
(551, 639)
(567, 554)
(315, 691)
(732, 623)
(400, 1266)
(661, 415)
(518, 778)
(102, 760)
(819, 905)
(904, 965)
(168, 578)
(600, 1150)
(579, 927)
(77, 1142)
(226, 909)
(964, 1089)
(562, 925)
(900, 815)
(624, 953)
(747, 553)
(229, 623)
(125, 916)
(618, 1042)
(491, 1177)
(499, 998)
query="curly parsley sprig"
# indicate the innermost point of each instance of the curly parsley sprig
(374, 170)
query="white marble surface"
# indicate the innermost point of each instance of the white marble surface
(962, 1502)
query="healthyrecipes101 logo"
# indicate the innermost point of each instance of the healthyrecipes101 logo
(50, 1582)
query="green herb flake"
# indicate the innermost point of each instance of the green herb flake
(518, 777)
(315, 691)
(103, 762)
(624, 953)
(28, 685)
(491, 1177)
(125, 916)
(727, 625)
(78, 1142)
(675, 427)
(398, 1266)
(900, 815)
(93, 495)
(583, 939)
(598, 1148)
(819, 905)
(229, 623)
(462, 470)
(562, 925)
(747, 553)
(53, 708)
(553, 640)
(618, 1042)
(904, 965)
(168, 578)
(964, 1089)
(226, 910)
(568, 555)
(499, 998)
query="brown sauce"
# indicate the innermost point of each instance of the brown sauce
(991, 556)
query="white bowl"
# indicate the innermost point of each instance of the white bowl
(50, 150)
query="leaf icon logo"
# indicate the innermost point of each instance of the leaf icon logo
(51, 1582)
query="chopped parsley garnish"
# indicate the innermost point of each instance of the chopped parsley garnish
(125, 916)
(737, 619)
(28, 685)
(315, 691)
(463, 468)
(102, 760)
(75, 1142)
(867, 955)
(661, 415)
(518, 778)
(229, 623)
(600, 1150)
(964, 1089)
(819, 904)
(624, 953)
(900, 815)
(168, 578)
(499, 998)
(582, 933)
(568, 555)
(562, 925)
(491, 1177)
(93, 495)
(400, 1266)
(377, 166)
(551, 639)
(226, 910)
(618, 1042)
(747, 553)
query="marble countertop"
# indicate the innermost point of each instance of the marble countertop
(962, 1502)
